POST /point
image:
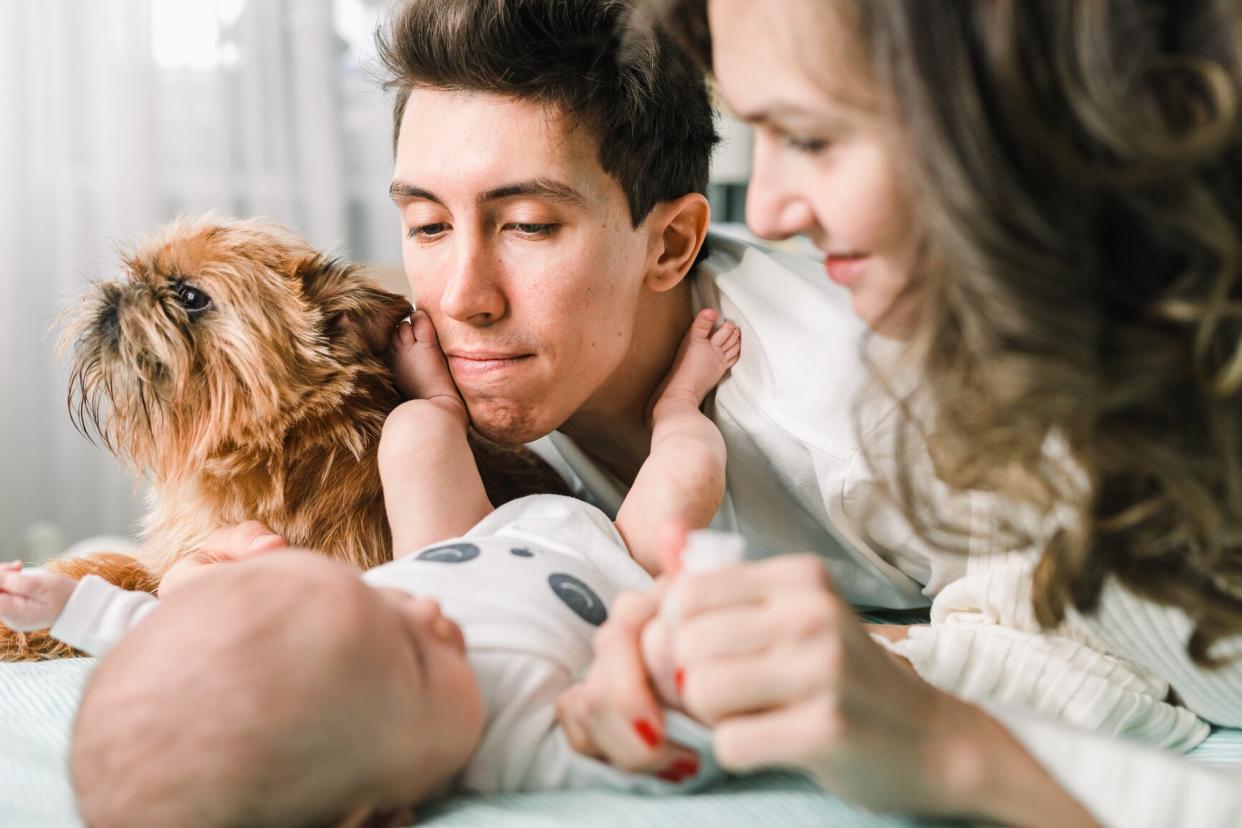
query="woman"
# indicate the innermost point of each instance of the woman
(1043, 202)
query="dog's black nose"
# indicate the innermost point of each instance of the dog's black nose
(108, 324)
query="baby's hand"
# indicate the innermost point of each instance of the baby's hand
(32, 601)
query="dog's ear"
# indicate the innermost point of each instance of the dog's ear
(358, 315)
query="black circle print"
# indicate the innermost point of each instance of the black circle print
(450, 553)
(578, 597)
(521, 552)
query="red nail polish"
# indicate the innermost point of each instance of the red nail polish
(680, 770)
(647, 732)
(668, 775)
(679, 678)
(687, 767)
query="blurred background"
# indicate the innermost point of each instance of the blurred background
(119, 115)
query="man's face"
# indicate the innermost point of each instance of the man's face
(521, 249)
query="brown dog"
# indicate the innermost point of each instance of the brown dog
(246, 376)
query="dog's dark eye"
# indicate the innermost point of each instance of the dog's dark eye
(192, 299)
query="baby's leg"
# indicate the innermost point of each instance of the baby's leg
(432, 488)
(683, 477)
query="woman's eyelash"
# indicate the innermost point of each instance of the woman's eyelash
(810, 146)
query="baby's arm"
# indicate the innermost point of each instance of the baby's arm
(432, 487)
(683, 477)
(91, 615)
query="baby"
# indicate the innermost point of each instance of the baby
(241, 701)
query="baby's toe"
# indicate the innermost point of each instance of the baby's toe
(722, 335)
(703, 323)
(424, 331)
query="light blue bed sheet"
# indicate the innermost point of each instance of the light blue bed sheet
(37, 702)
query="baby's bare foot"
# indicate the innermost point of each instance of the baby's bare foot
(704, 357)
(418, 364)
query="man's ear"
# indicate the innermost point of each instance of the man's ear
(678, 230)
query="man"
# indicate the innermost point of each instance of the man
(549, 173)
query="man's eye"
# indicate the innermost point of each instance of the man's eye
(534, 231)
(427, 231)
(192, 299)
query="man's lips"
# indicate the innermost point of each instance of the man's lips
(478, 363)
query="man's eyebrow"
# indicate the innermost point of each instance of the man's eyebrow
(547, 188)
(401, 192)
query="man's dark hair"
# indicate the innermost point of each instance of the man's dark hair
(642, 98)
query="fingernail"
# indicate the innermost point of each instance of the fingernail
(680, 770)
(679, 678)
(647, 732)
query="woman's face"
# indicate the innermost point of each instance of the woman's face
(824, 162)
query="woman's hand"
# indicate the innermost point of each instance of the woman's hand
(773, 659)
(612, 714)
(231, 543)
(776, 661)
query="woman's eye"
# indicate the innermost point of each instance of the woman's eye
(192, 299)
(427, 231)
(809, 146)
(534, 231)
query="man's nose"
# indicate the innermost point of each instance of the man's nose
(474, 288)
(775, 209)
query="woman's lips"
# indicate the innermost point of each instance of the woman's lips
(845, 269)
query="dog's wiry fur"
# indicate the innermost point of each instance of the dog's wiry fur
(265, 404)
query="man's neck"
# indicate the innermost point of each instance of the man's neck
(613, 428)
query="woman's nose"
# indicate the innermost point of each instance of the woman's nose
(776, 208)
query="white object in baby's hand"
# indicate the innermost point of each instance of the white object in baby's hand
(708, 549)
(705, 550)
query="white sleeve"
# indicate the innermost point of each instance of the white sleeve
(1155, 637)
(985, 645)
(99, 614)
(1124, 784)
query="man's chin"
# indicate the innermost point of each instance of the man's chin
(506, 424)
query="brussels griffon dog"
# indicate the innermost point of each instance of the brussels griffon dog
(246, 376)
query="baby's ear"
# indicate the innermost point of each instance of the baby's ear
(358, 315)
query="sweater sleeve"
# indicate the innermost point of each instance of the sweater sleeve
(1155, 637)
(985, 645)
(1123, 784)
(99, 614)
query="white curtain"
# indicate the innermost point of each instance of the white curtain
(117, 115)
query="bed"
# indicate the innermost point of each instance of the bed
(37, 702)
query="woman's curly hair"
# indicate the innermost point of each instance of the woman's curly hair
(1077, 171)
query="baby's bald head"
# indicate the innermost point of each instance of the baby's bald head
(249, 697)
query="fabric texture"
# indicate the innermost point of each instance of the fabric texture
(99, 614)
(37, 703)
(984, 644)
